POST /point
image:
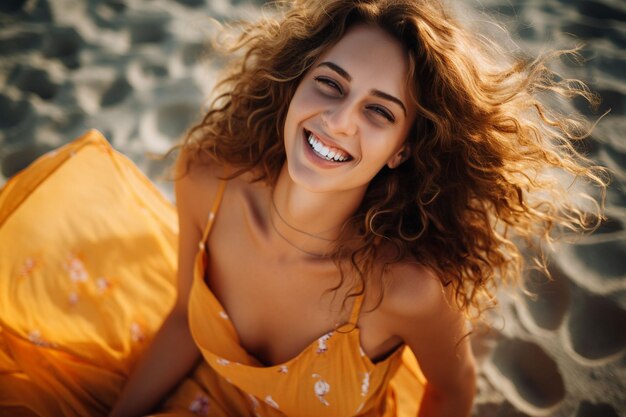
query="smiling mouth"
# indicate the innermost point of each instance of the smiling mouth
(328, 153)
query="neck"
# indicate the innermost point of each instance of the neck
(310, 221)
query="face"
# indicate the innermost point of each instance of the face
(350, 114)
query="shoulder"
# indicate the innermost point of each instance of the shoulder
(196, 184)
(414, 296)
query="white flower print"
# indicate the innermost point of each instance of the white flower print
(35, 337)
(222, 361)
(223, 315)
(76, 269)
(255, 405)
(321, 388)
(365, 385)
(27, 268)
(136, 332)
(321, 342)
(200, 405)
(283, 369)
(72, 298)
(270, 401)
(102, 284)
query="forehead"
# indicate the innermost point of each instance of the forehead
(371, 55)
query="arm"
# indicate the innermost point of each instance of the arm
(434, 329)
(173, 352)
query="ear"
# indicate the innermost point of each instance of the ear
(400, 156)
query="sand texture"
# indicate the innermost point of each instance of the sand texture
(140, 71)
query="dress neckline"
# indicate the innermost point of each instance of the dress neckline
(349, 329)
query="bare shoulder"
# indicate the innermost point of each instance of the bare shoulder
(413, 292)
(196, 185)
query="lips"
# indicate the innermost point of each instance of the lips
(325, 150)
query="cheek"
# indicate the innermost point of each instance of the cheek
(380, 147)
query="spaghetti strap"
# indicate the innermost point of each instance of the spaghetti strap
(213, 212)
(356, 309)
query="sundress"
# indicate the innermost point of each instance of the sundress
(88, 250)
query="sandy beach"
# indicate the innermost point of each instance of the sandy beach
(141, 72)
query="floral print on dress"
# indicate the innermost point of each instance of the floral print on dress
(35, 338)
(222, 361)
(365, 385)
(283, 369)
(102, 285)
(255, 405)
(72, 298)
(200, 405)
(76, 269)
(27, 268)
(322, 347)
(270, 401)
(321, 388)
(136, 332)
(223, 315)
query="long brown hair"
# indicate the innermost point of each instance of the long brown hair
(482, 148)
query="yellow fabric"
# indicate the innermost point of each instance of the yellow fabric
(87, 274)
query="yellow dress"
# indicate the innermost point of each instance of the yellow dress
(87, 274)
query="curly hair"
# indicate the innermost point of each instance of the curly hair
(479, 181)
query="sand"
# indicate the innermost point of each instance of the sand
(141, 71)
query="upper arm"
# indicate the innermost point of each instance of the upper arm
(428, 321)
(193, 191)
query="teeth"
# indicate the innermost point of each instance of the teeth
(325, 151)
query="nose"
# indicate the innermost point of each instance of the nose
(341, 119)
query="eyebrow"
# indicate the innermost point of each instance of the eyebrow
(344, 74)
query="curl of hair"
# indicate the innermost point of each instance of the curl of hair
(483, 146)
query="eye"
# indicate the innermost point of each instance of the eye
(329, 84)
(383, 112)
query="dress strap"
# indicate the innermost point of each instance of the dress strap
(213, 212)
(356, 309)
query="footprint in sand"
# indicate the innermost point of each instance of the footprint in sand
(550, 298)
(614, 159)
(20, 42)
(605, 258)
(148, 28)
(497, 410)
(34, 80)
(599, 10)
(610, 225)
(172, 119)
(610, 100)
(100, 87)
(587, 409)
(191, 3)
(612, 65)
(144, 73)
(63, 43)
(14, 162)
(119, 89)
(193, 53)
(161, 126)
(616, 196)
(13, 112)
(528, 377)
(11, 6)
(596, 326)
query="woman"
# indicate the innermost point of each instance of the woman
(348, 201)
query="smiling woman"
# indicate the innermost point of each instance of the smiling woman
(351, 103)
(350, 199)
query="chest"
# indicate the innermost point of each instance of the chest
(278, 308)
